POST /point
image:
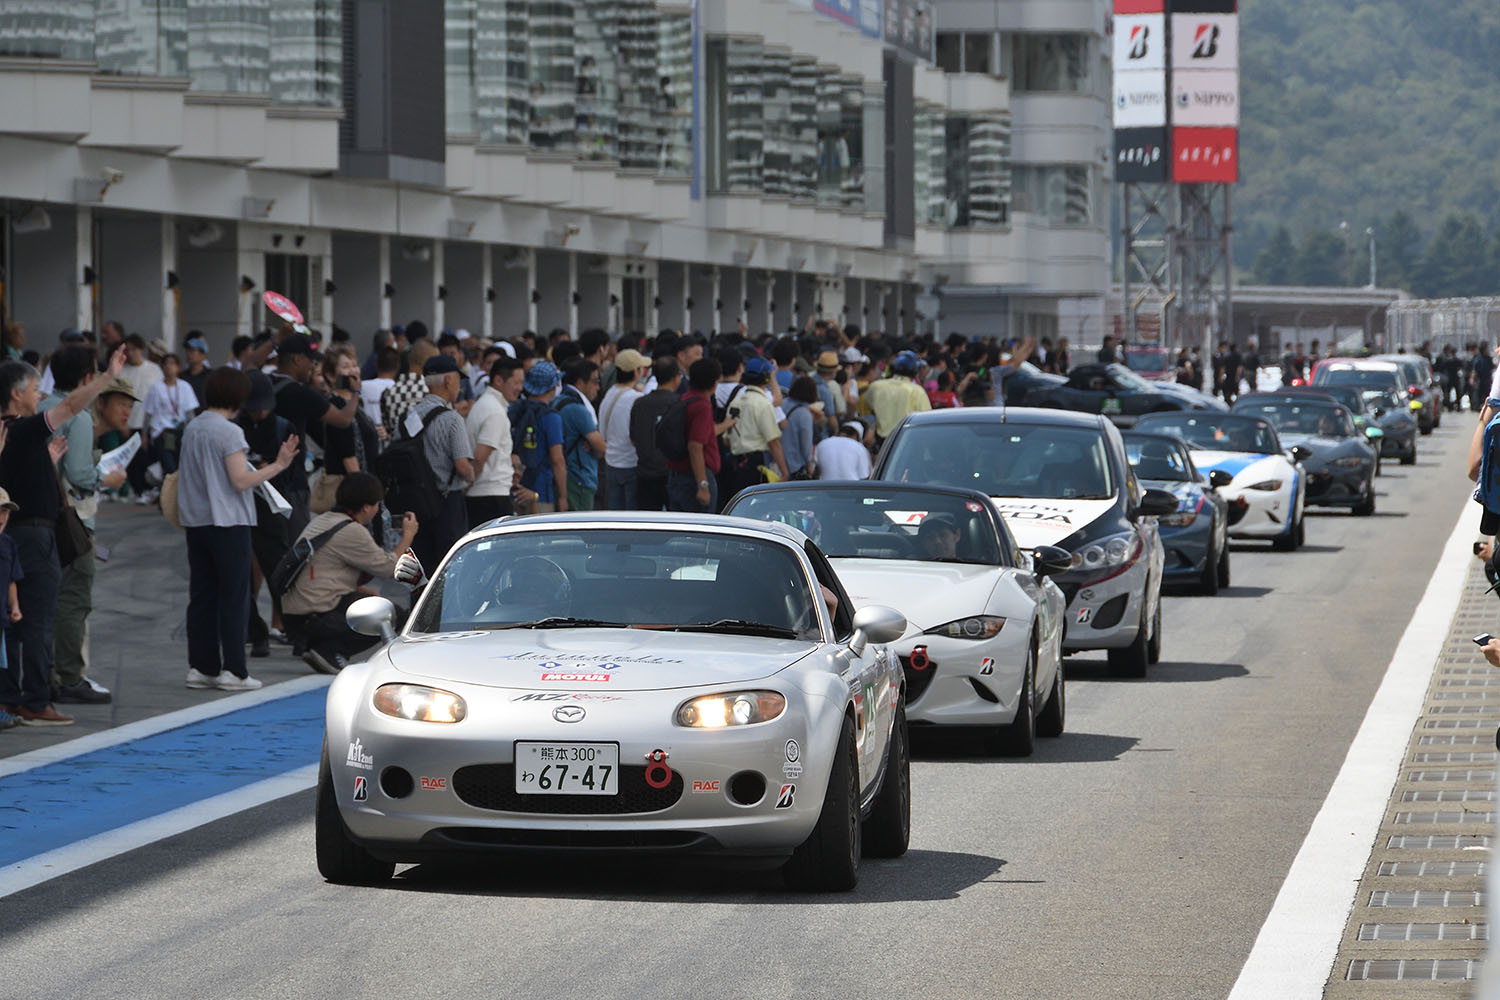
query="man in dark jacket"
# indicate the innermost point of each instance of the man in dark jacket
(651, 464)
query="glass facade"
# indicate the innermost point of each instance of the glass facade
(229, 46)
(1049, 63)
(146, 37)
(979, 172)
(47, 29)
(502, 111)
(1061, 194)
(929, 173)
(551, 74)
(306, 52)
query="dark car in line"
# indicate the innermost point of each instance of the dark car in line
(1116, 392)
(1196, 538)
(1340, 465)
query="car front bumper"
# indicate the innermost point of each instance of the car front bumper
(964, 682)
(1105, 614)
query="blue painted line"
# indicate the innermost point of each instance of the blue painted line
(59, 804)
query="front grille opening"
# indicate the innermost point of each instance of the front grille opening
(493, 786)
(1111, 611)
(571, 839)
(917, 681)
(984, 692)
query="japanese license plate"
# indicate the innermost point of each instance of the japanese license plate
(567, 768)
(1111, 404)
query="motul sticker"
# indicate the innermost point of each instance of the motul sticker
(577, 678)
(361, 792)
(787, 796)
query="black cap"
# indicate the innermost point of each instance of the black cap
(295, 343)
(933, 522)
(439, 364)
(262, 398)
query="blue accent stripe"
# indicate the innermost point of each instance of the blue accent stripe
(1233, 466)
(59, 804)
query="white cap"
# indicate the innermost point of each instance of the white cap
(462, 334)
(505, 346)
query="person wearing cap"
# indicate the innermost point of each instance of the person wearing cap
(196, 373)
(620, 459)
(938, 536)
(488, 424)
(832, 392)
(755, 439)
(71, 367)
(451, 345)
(891, 399)
(445, 444)
(309, 412)
(844, 456)
(28, 473)
(538, 432)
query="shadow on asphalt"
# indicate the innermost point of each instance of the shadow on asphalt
(918, 876)
(1321, 548)
(1165, 672)
(933, 744)
(1233, 591)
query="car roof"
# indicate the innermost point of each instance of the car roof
(647, 520)
(1367, 364)
(1300, 399)
(1210, 415)
(1005, 415)
(865, 485)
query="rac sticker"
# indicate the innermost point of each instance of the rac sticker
(432, 784)
(1084, 614)
(703, 787)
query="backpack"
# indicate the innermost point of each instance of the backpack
(671, 432)
(410, 484)
(526, 438)
(298, 558)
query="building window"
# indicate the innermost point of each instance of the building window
(1050, 63)
(596, 79)
(1063, 195)
(47, 29)
(967, 52)
(149, 39)
(804, 130)
(229, 47)
(551, 72)
(979, 175)
(950, 51)
(929, 173)
(307, 52)
(776, 89)
(502, 111)
(460, 30)
(672, 103)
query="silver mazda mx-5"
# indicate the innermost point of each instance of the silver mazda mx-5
(621, 682)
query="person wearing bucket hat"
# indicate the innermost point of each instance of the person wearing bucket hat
(538, 433)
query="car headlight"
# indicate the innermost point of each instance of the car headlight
(977, 627)
(1348, 462)
(740, 708)
(1106, 553)
(1187, 512)
(1268, 486)
(419, 704)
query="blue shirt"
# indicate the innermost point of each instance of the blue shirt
(785, 379)
(10, 572)
(797, 441)
(577, 422)
(551, 427)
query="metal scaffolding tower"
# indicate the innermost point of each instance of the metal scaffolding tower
(1177, 243)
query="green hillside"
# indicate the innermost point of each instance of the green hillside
(1357, 111)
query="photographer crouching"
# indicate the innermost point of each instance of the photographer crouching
(342, 560)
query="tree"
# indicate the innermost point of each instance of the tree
(1273, 265)
(1456, 262)
(1321, 260)
(1398, 250)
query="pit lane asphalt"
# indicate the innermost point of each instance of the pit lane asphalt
(1134, 857)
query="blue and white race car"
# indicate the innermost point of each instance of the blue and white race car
(1267, 490)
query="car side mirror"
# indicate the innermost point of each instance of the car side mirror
(374, 616)
(1158, 503)
(1219, 478)
(1374, 433)
(1049, 560)
(1301, 454)
(876, 623)
(1379, 412)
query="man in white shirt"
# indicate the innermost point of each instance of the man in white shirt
(488, 424)
(614, 423)
(142, 373)
(845, 456)
(387, 367)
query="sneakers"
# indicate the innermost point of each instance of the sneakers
(260, 650)
(48, 716)
(202, 682)
(82, 693)
(147, 498)
(279, 637)
(7, 720)
(228, 682)
(324, 664)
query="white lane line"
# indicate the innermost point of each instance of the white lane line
(1297, 945)
(42, 867)
(157, 724)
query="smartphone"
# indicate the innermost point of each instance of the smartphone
(734, 411)
(344, 382)
(1482, 639)
(1477, 547)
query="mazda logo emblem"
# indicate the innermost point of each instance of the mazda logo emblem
(568, 713)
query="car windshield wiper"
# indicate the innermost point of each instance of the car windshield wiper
(740, 626)
(558, 621)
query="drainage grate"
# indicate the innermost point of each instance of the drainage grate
(1443, 818)
(1462, 710)
(1463, 842)
(1450, 795)
(1442, 869)
(1426, 897)
(1429, 969)
(1469, 775)
(1464, 695)
(1476, 757)
(1459, 724)
(1424, 932)
(1470, 682)
(1465, 670)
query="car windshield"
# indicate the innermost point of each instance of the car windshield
(1303, 418)
(1381, 399)
(1147, 361)
(1128, 379)
(621, 577)
(1365, 378)
(1216, 432)
(1157, 459)
(1037, 461)
(870, 523)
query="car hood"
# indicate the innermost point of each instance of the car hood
(1235, 462)
(601, 660)
(1181, 489)
(927, 593)
(1314, 443)
(1193, 397)
(1048, 522)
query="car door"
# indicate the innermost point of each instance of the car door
(873, 676)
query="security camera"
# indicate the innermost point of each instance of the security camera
(111, 175)
(572, 230)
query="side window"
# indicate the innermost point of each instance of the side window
(843, 616)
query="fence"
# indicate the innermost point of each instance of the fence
(1459, 322)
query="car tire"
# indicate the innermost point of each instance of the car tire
(1153, 645)
(1410, 458)
(340, 859)
(1367, 506)
(1287, 541)
(1018, 738)
(828, 860)
(1055, 712)
(1208, 580)
(1224, 566)
(887, 832)
(1133, 660)
(1301, 531)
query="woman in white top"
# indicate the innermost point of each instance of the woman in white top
(169, 403)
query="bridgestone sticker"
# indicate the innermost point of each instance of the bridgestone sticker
(361, 792)
(787, 796)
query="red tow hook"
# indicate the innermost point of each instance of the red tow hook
(919, 660)
(658, 773)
